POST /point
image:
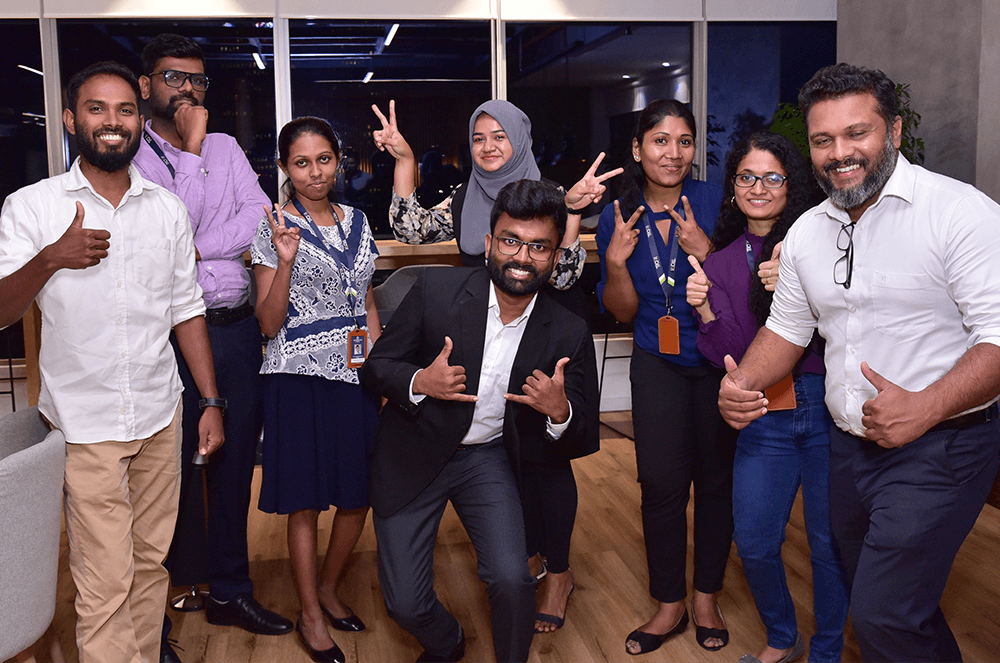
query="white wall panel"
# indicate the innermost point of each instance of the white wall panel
(157, 8)
(387, 9)
(20, 8)
(601, 10)
(771, 10)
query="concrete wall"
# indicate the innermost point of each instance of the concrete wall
(944, 49)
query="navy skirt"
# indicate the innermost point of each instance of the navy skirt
(317, 438)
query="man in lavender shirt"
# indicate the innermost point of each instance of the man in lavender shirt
(211, 175)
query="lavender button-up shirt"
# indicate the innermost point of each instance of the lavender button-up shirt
(224, 202)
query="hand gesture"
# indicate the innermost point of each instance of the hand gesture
(624, 238)
(591, 188)
(892, 418)
(191, 122)
(285, 240)
(210, 431)
(738, 405)
(697, 285)
(546, 394)
(441, 381)
(79, 247)
(690, 236)
(768, 271)
(389, 136)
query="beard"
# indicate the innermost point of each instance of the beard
(877, 173)
(512, 286)
(167, 110)
(109, 159)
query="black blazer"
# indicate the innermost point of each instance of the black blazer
(414, 442)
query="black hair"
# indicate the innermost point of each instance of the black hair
(106, 68)
(530, 199)
(802, 193)
(840, 80)
(634, 177)
(167, 45)
(291, 133)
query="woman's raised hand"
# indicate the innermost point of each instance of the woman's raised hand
(285, 240)
(591, 188)
(690, 236)
(768, 271)
(624, 238)
(389, 136)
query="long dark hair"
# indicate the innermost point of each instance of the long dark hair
(634, 177)
(291, 132)
(802, 194)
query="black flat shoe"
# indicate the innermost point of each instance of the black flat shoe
(352, 624)
(331, 655)
(651, 641)
(703, 633)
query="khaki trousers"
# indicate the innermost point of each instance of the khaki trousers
(121, 507)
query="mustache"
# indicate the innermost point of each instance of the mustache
(183, 96)
(849, 161)
(513, 264)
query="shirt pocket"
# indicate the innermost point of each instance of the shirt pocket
(153, 264)
(904, 306)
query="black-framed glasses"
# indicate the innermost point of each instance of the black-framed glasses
(843, 269)
(175, 79)
(770, 181)
(509, 246)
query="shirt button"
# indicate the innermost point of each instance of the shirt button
(852, 309)
(121, 411)
(208, 267)
(119, 284)
(853, 351)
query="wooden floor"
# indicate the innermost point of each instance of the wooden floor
(611, 598)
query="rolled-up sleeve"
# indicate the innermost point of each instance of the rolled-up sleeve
(186, 300)
(972, 266)
(791, 316)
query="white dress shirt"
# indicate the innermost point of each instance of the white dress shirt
(108, 371)
(925, 287)
(499, 351)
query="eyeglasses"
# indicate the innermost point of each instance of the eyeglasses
(176, 79)
(511, 247)
(770, 181)
(843, 269)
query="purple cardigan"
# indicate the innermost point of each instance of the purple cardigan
(735, 327)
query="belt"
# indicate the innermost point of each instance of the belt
(219, 317)
(976, 418)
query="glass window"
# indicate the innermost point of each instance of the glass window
(753, 67)
(240, 99)
(437, 72)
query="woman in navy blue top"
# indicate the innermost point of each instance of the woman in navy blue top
(680, 437)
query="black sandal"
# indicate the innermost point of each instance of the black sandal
(651, 641)
(703, 633)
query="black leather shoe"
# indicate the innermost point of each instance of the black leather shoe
(245, 612)
(167, 644)
(456, 654)
(352, 624)
(331, 655)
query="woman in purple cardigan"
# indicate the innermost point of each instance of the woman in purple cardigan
(768, 186)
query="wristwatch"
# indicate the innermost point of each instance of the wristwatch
(220, 403)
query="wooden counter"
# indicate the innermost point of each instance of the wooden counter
(394, 254)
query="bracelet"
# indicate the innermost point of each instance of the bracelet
(220, 403)
(577, 211)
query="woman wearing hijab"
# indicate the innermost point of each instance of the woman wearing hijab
(500, 141)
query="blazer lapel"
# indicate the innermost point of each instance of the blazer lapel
(533, 342)
(472, 312)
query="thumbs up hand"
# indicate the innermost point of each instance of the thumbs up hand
(546, 394)
(79, 247)
(893, 418)
(768, 271)
(697, 291)
(441, 381)
(738, 405)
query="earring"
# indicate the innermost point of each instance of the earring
(636, 157)
(732, 202)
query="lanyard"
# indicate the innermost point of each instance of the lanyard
(340, 259)
(666, 280)
(750, 261)
(159, 152)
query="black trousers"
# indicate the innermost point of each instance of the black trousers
(549, 498)
(899, 517)
(236, 351)
(680, 438)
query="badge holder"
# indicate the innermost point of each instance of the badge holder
(781, 395)
(357, 344)
(670, 335)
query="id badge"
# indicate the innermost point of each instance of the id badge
(357, 345)
(781, 396)
(670, 335)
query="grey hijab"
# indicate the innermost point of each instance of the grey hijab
(483, 186)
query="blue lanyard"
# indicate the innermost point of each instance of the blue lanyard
(750, 260)
(666, 280)
(159, 152)
(340, 259)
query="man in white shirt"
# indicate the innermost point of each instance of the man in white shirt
(476, 365)
(898, 270)
(109, 258)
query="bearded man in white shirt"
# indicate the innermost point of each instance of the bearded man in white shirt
(109, 257)
(898, 270)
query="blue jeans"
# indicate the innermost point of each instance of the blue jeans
(774, 456)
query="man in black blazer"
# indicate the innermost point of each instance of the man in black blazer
(476, 364)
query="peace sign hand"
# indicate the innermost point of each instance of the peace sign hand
(591, 188)
(389, 136)
(285, 240)
(624, 239)
(690, 236)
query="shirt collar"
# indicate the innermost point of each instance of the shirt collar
(163, 144)
(76, 181)
(494, 306)
(900, 184)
